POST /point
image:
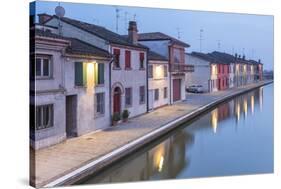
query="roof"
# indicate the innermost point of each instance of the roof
(204, 56)
(77, 46)
(160, 36)
(223, 57)
(155, 56)
(99, 31)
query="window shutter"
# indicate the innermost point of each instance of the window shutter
(128, 59)
(100, 73)
(78, 73)
(84, 74)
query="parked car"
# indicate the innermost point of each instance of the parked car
(195, 89)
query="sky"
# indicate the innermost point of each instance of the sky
(247, 34)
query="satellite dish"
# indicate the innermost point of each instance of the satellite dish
(60, 11)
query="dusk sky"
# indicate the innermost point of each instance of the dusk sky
(231, 33)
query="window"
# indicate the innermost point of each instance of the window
(165, 92)
(141, 60)
(80, 74)
(43, 66)
(150, 71)
(44, 116)
(128, 96)
(99, 102)
(116, 53)
(165, 71)
(100, 75)
(142, 94)
(127, 59)
(156, 94)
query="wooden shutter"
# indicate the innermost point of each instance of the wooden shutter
(127, 59)
(78, 73)
(100, 73)
(84, 73)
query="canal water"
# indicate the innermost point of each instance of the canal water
(235, 138)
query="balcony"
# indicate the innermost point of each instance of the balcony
(180, 68)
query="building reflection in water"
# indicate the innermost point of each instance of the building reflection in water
(164, 161)
(169, 158)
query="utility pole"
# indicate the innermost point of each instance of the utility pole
(201, 39)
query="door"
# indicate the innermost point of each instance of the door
(117, 100)
(151, 99)
(71, 116)
(176, 89)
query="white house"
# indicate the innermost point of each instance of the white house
(205, 71)
(68, 87)
(173, 50)
(128, 73)
(158, 81)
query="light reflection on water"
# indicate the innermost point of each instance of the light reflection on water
(228, 140)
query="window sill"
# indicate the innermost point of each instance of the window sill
(116, 68)
(100, 85)
(44, 78)
(128, 69)
(80, 87)
(99, 115)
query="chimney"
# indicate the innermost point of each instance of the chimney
(259, 61)
(235, 56)
(133, 32)
(243, 57)
(43, 18)
(239, 56)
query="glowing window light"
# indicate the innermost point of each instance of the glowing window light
(159, 71)
(238, 111)
(214, 120)
(91, 67)
(161, 162)
(245, 103)
(252, 103)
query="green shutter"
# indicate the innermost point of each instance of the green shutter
(78, 73)
(100, 73)
(84, 74)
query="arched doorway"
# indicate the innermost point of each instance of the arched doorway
(117, 100)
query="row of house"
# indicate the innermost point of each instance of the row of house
(82, 74)
(219, 71)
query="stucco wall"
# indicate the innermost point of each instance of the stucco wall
(201, 74)
(86, 119)
(134, 78)
(158, 83)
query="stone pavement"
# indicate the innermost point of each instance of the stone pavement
(55, 161)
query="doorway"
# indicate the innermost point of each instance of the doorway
(117, 100)
(71, 116)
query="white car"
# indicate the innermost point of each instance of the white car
(195, 89)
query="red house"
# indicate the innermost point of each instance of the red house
(223, 76)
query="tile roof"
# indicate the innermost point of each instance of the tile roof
(155, 56)
(160, 36)
(99, 31)
(204, 56)
(223, 57)
(77, 47)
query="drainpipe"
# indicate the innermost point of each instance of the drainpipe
(110, 98)
(147, 95)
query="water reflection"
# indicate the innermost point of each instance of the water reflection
(194, 151)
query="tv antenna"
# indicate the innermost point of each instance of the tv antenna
(60, 12)
(201, 39)
(126, 21)
(219, 45)
(117, 10)
(179, 33)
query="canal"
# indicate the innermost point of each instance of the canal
(235, 138)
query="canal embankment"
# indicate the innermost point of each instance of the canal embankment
(74, 159)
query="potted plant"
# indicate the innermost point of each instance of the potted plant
(125, 115)
(115, 118)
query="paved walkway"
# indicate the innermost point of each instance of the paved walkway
(55, 161)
